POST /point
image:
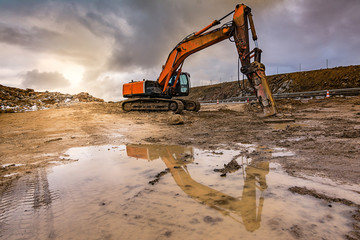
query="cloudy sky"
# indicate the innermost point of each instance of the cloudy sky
(96, 46)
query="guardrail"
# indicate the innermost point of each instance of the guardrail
(322, 93)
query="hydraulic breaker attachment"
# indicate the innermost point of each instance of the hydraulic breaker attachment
(255, 71)
(257, 79)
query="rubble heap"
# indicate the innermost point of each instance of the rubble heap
(20, 100)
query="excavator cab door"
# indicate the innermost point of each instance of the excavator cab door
(183, 85)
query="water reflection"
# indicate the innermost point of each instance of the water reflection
(176, 159)
(105, 195)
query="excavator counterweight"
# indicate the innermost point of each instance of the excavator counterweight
(172, 82)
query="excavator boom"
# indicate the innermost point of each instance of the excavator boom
(187, 47)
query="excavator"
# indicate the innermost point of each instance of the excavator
(246, 209)
(158, 95)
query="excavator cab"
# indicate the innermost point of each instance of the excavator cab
(183, 84)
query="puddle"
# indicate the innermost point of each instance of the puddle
(106, 195)
(281, 152)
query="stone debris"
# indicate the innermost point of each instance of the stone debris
(232, 166)
(176, 119)
(22, 100)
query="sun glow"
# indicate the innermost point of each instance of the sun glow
(71, 71)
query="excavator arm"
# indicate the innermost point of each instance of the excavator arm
(237, 30)
(187, 47)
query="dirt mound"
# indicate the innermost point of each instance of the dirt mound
(335, 78)
(323, 79)
(20, 100)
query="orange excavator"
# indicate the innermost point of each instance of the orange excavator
(158, 95)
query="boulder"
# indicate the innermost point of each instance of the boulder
(176, 119)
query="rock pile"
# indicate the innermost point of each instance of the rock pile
(86, 97)
(21, 100)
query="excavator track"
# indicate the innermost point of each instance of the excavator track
(152, 104)
(191, 105)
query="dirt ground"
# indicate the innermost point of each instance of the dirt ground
(322, 135)
(325, 136)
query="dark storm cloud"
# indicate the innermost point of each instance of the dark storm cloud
(44, 80)
(132, 36)
(99, 26)
(34, 38)
(333, 23)
(159, 25)
(69, 29)
(290, 32)
(156, 25)
(309, 33)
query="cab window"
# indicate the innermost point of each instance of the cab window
(183, 79)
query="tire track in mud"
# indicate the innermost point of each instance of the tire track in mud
(25, 208)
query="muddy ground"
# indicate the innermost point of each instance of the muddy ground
(325, 136)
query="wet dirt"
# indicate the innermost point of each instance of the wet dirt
(105, 193)
(321, 146)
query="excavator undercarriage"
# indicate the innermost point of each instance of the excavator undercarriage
(160, 104)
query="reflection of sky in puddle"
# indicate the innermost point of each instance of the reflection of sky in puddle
(281, 152)
(106, 195)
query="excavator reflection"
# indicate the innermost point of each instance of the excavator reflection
(177, 157)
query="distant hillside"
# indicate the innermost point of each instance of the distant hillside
(334, 78)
